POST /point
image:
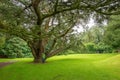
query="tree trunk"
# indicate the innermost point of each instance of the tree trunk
(38, 53)
(37, 60)
(40, 59)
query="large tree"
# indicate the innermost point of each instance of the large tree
(46, 25)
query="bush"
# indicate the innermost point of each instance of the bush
(90, 48)
(103, 48)
(16, 47)
(97, 48)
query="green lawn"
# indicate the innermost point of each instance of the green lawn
(66, 67)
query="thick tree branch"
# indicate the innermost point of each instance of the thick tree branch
(55, 39)
(98, 6)
(32, 49)
(55, 6)
(52, 53)
(55, 52)
(107, 13)
(67, 31)
(25, 7)
(59, 11)
(35, 5)
(51, 48)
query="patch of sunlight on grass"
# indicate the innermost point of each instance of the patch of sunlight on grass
(115, 60)
(110, 65)
(82, 56)
(5, 60)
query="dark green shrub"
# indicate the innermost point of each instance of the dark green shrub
(16, 47)
(90, 47)
(103, 48)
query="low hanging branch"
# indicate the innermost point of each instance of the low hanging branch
(52, 52)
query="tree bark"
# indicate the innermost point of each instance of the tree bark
(38, 59)
(37, 52)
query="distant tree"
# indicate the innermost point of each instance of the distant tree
(93, 34)
(46, 25)
(112, 33)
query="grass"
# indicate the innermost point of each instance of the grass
(6, 60)
(65, 67)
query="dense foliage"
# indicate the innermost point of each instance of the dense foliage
(112, 34)
(15, 48)
(2, 40)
